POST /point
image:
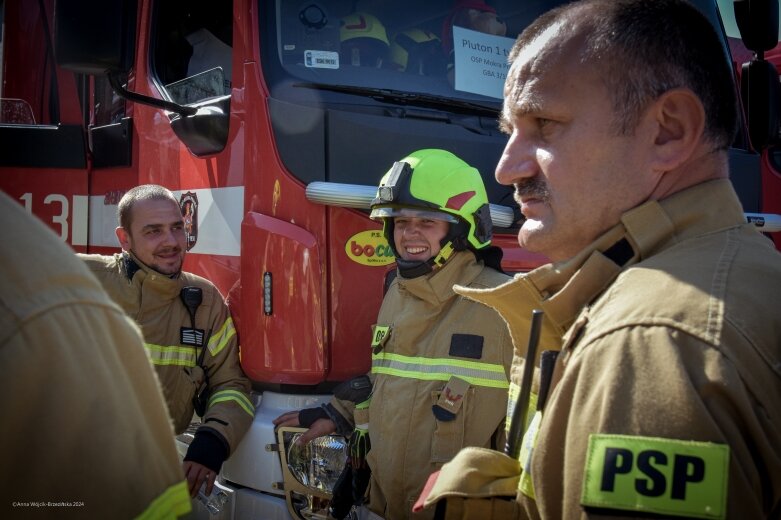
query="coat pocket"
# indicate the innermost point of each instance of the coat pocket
(449, 431)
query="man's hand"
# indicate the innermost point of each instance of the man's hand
(317, 429)
(196, 474)
(287, 419)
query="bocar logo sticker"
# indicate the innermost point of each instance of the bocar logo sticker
(369, 248)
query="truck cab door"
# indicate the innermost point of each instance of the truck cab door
(43, 149)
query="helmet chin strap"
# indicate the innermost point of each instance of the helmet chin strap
(416, 268)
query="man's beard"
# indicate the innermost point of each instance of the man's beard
(158, 267)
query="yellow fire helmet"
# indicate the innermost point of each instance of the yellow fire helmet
(364, 42)
(436, 184)
(417, 51)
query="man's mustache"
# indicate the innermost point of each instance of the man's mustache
(168, 250)
(535, 187)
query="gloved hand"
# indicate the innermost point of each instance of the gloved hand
(351, 486)
(316, 419)
(352, 483)
(359, 445)
(308, 416)
(348, 490)
(474, 473)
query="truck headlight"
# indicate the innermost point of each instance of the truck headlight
(310, 471)
(318, 463)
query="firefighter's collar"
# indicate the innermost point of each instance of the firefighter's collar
(703, 208)
(561, 289)
(437, 287)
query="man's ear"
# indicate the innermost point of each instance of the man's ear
(679, 119)
(124, 238)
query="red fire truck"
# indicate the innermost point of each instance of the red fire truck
(271, 120)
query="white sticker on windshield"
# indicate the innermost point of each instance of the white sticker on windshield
(480, 61)
(321, 59)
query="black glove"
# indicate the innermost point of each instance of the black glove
(361, 477)
(342, 499)
(308, 416)
(349, 490)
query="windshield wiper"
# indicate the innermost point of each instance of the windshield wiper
(402, 97)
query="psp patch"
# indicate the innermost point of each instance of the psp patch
(655, 475)
(191, 337)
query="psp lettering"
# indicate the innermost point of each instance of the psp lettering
(654, 478)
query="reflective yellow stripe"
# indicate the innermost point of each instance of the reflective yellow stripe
(232, 395)
(172, 503)
(440, 369)
(171, 355)
(512, 397)
(220, 339)
(525, 483)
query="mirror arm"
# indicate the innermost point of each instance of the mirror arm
(147, 100)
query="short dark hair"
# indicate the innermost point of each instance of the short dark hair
(139, 193)
(645, 48)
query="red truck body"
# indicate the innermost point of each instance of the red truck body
(304, 279)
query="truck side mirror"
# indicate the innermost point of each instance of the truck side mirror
(759, 92)
(98, 37)
(95, 36)
(758, 24)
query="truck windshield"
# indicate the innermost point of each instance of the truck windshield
(408, 52)
(387, 49)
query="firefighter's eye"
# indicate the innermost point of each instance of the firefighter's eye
(543, 122)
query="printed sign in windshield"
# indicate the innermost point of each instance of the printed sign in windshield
(480, 61)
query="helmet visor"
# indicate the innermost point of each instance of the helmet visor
(396, 211)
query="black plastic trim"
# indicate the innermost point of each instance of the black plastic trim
(37, 146)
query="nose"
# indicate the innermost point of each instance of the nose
(411, 229)
(518, 160)
(170, 237)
